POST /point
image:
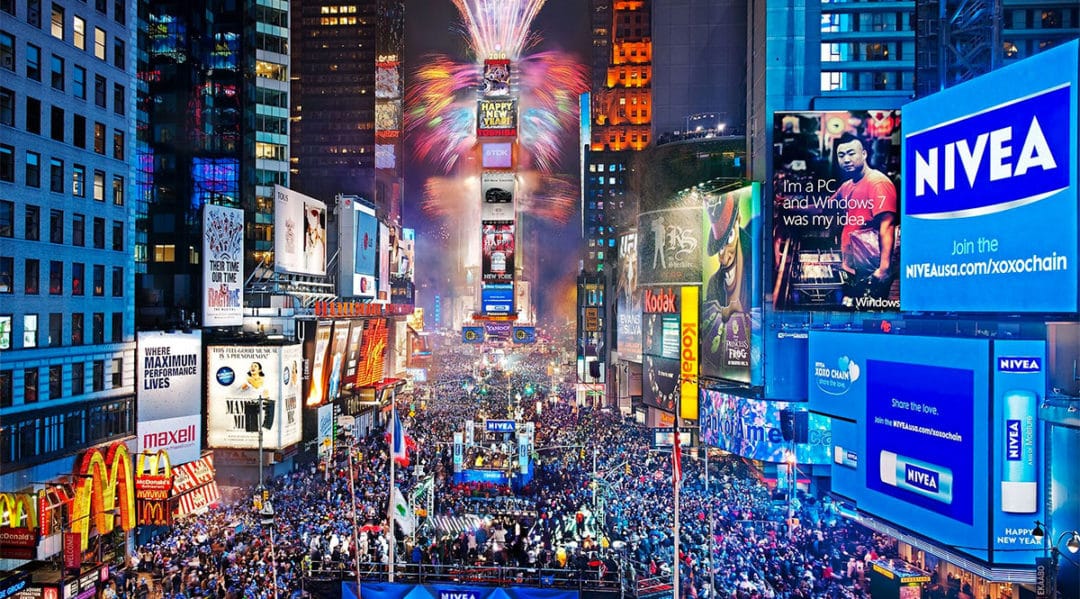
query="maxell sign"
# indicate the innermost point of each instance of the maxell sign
(169, 373)
(178, 436)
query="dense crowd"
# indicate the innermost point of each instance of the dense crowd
(600, 505)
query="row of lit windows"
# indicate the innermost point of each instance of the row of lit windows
(33, 437)
(341, 9)
(77, 185)
(32, 278)
(32, 335)
(33, 9)
(79, 83)
(873, 81)
(337, 21)
(877, 51)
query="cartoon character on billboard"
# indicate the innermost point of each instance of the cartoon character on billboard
(868, 241)
(727, 301)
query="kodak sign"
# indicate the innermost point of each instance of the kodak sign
(103, 483)
(688, 354)
(661, 301)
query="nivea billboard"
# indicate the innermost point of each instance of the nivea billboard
(990, 191)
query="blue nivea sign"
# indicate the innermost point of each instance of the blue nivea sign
(989, 200)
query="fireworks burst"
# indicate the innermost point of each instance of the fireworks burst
(498, 27)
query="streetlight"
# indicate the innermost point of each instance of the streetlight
(1052, 554)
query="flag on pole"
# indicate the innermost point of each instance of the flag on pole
(395, 434)
(676, 460)
(400, 512)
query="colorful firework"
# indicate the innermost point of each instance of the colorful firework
(498, 27)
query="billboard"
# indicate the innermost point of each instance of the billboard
(496, 81)
(497, 252)
(169, 366)
(369, 368)
(991, 192)
(382, 293)
(497, 298)
(688, 352)
(669, 247)
(751, 428)
(352, 355)
(731, 343)
(905, 446)
(661, 386)
(496, 118)
(238, 377)
(299, 233)
(402, 289)
(836, 240)
(524, 334)
(223, 266)
(387, 117)
(472, 334)
(336, 359)
(497, 155)
(497, 189)
(365, 251)
(316, 390)
(628, 299)
(387, 80)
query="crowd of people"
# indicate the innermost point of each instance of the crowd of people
(599, 506)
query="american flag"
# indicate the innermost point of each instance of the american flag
(676, 460)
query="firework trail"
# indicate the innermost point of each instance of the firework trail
(498, 27)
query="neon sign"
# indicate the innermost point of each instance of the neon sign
(104, 483)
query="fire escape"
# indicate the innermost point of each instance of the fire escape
(956, 40)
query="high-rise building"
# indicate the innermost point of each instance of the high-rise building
(217, 88)
(67, 146)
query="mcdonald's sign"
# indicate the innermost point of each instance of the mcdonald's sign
(153, 477)
(19, 507)
(154, 513)
(104, 483)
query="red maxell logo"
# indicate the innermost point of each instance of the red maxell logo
(166, 438)
(662, 301)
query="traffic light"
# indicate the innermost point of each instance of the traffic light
(628, 472)
(581, 455)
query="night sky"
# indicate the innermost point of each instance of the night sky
(432, 26)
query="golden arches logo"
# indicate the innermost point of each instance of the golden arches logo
(147, 464)
(104, 483)
(14, 507)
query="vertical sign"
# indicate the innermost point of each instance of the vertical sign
(688, 353)
(223, 259)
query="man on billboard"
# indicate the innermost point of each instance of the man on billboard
(868, 239)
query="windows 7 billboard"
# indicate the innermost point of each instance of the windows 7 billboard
(990, 191)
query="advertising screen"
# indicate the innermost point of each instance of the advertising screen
(669, 247)
(386, 156)
(836, 240)
(387, 80)
(168, 366)
(365, 251)
(372, 352)
(751, 428)
(299, 233)
(496, 82)
(497, 298)
(382, 293)
(497, 252)
(496, 118)
(497, 155)
(991, 193)
(223, 266)
(336, 359)
(472, 334)
(238, 377)
(661, 384)
(497, 189)
(1019, 370)
(387, 117)
(316, 390)
(352, 355)
(628, 300)
(731, 299)
(908, 450)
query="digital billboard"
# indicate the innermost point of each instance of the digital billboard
(660, 388)
(336, 358)
(352, 354)
(169, 366)
(366, 251)
(472, 334)
(387, 117)
(402, 290)
(628, 299)
(991, 192)
(751, 428)
(372, 352)
(497, 252)
(382, 293)
(497, 191)
(731, 343)
(836, 239)
(905, 446)
(387, 80)
(223, 266)
(496, 80)
(669, 247)
(688, 352)
(496, 118)
(316, 390)
(661, 347)
(497, 298)
(497, 155)
(299, 233)
(524, 334)
(238, 377)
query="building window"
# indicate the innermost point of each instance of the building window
(7, 163)
(56, 277)
(7, 274)
(99, 186)
(57, 21)
(5, 388)
(32, 276)
(118, 236)
(78, 378)
(78, 230)
(33, 169)
(99, 233)
(78, 278)
(33, 62)
(119, 50)
(56, 123)
(117, 373)
(30, 385)
(119, 106)
(7, 107)
(78, 131)
(98, 376)
(120, 11)
(33, 116)
(7, 50)
(77, 326)
(56, 175)
(99, 43)
(99, 90)
(7, 218)
(99, 280)
(32, 223)
(99, 138)
(79, 32)
(118, 327)
(165, 253)
(78, 82)
(102, 6)
(118, 190)
(118, 281)
(57, 72)
(118, 144)
(56, 329)
(30, 330)
(56, 381)
(99, 328)
(78, 180)
(56, 226)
